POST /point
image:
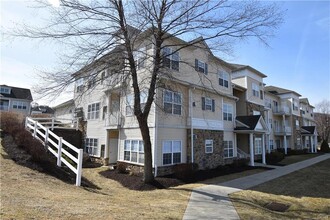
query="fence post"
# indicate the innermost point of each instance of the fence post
(53, 119)
(35, 129)
(46, 136)
(59, 152)
(26, 122)
(79, 167)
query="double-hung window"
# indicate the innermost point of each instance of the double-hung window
(209, 146)
(208, 104)
(172, 102)
(228, 149)
(80, 85)
(227, 112)
(134, 151)
(255, 90)
(223, 79)
(271, 144)
(171, 59)
(5, 90)
(201, 67)
(93, 111)
(140, 57)
(19, 105)
(130, 102)
(171, 152)
(91, 146)
(4, 105)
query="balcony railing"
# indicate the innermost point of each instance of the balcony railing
(113, 119)
(281, 110)
(283, 131)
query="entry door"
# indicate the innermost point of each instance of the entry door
(113, 146)
(258, 146)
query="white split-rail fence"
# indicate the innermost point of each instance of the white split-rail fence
(59, 149)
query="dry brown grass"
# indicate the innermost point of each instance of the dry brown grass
(296, 158)
(307, 191)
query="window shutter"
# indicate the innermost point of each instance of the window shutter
(213, 105)
(203, 103)
(206, 69)
(196, 64)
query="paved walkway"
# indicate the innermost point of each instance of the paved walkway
(212, 202)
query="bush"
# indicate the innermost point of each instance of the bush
(185, 171)
(11, 122)
(274, 157)
(122, 167)
(325, 147)
(298, 152)
(241, 162)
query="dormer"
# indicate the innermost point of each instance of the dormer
(5, 90)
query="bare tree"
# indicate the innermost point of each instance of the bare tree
(97, 31)
(322, 120)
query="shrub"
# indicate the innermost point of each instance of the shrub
(11, 122)
(241, 162)
(122, 167)
(298, 152)
(325, 147)
(274, 157)
(185, 171)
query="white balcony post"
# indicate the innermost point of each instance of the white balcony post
(251, 150)
(263, 149)
(79, 167)
(285, 145)
(315, 144)
(59, 152)
(53, 120)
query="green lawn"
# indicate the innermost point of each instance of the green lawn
(306, 192)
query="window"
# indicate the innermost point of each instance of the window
(93, 111)
(140, 57)
(298, 142)
(80, 85)
(297, 124)
(102, 150)
(208, 104)
(228, 149)
(256, 112)
(171, 59)
(255, 90)
(257, 146)
(295, 105)
(104, 111)
(91, 82)
(172, 102)
(91, 146)
(224, 79)
(261, 94)
(130, 102)
(201, 66)
(4, 105)
(270, 123)
(271, 144)
(171, 152)
(19, 105)
(103, 76)
(227, 112)
(5, 90)
(134, 151)
(208, 146)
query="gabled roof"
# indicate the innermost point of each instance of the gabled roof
(278, 91)
(17, 93)
(69, 102)
(305, 101)
(238, 67)
(247, 122)
(307, 129)
(44, 109)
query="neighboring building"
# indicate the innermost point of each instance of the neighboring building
(308, 125)
(15, 99)
(64, 111)
(42, 110)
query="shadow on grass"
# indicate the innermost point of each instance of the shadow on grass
(47, 166)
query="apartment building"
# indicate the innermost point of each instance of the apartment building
(308, 126)
(191, 120)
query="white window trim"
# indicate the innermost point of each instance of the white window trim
(20, 105)
(171, 152)
(130, 150)
(143, 100)
(259, 151)
(171, 58)
(208, 104)
(229, 109)
(210, 146)
(224, 77)
(94, 147)
(172, 103)
(94, 103)
(255, 90)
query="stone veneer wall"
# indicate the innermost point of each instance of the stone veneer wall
(206, 160)
(254, 107)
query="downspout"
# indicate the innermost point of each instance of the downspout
(191, 126)
(155, 137)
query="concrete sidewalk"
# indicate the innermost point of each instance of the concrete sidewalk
(212, 201)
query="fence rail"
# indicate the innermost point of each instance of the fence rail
(59, 147)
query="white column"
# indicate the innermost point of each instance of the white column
(285, 145)
(235, 145)
(311, 143)
(107, 145)
(263, 149)
(315, 144)
(251, 150)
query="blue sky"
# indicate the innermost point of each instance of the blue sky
(298, 57)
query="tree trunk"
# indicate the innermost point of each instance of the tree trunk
(148, 176)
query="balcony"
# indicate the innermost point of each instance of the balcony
(283, 131)
(283, 110)
(113, 120)
(268, 104)
(207, 124)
